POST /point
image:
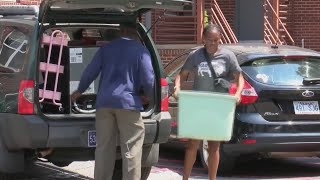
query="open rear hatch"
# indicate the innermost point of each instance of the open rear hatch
(63, 11)
(71, 32)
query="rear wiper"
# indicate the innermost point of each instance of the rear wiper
(311, 81)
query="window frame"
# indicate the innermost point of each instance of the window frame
(4, 36)
(249, 66)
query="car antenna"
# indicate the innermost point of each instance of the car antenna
(154, 23)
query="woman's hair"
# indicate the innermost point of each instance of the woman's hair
(211, 27)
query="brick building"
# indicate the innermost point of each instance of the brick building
(294, 22)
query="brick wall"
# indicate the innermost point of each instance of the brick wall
(8, 3)
(303, 22)
(168, 54)
(228, 8)
(30, 2)
(16, 2)
(304, 18)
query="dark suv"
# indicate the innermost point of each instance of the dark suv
(43, 51)
(279, 112)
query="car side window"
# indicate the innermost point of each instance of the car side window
(13, 49)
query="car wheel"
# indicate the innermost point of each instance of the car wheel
(61, 163)
(226, 164)
(117, 172)
(5, 176)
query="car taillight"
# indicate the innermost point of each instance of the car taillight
(25, 97)
(164, 94)
(248, 94)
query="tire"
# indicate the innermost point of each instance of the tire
(28, 163)
(226, 164)
(61, 163)
(117, 172)
(4, 176)
(11, 163)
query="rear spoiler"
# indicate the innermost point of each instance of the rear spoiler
(19, 10)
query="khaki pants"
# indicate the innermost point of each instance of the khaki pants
(128, 125)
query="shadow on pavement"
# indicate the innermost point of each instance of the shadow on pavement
(171, 159)
(46, 171)
(279, 168)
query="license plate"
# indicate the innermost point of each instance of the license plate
(92, 139)
(306, 107)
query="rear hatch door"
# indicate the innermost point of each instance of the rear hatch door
(288, 87)
(61, 11)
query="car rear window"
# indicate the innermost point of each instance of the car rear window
(283, 70)
(13, 50)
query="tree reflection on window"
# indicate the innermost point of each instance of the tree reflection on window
(13, 51)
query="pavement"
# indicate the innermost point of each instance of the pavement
(170, 167)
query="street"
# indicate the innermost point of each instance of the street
(170, 167)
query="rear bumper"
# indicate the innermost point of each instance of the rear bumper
(253, 134)
(276, 142)
(18, 131)
(32, 131)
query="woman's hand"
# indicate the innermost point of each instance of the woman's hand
(176, 92)
(238, 98)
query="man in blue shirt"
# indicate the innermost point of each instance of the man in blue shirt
(125, 69)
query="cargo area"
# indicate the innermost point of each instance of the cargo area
(64, 53)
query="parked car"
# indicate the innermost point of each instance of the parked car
(43, 51)
(279, 111)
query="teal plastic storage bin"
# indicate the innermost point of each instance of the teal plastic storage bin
(205, 115)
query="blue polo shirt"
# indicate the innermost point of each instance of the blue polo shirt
(125, 67)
